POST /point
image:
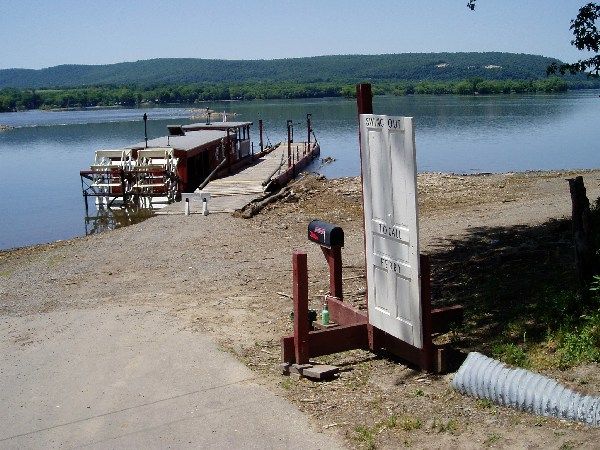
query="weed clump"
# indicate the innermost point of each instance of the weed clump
(581, 343)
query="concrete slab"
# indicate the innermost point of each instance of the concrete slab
(320, 372)
(312, 371)
(132, 377)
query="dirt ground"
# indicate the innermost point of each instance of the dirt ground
(231, 278)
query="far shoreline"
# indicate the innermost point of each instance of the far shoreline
(283, 97)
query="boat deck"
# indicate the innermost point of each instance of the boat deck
(233, 192)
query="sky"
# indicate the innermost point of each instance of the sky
(44, 33)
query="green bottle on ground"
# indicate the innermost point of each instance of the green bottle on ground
(325, 315)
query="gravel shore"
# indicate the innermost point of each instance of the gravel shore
(228, 277)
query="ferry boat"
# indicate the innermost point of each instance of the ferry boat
(158, 170)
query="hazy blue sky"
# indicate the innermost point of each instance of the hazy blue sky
(43, 33)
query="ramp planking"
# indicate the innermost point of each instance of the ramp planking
(233, 192)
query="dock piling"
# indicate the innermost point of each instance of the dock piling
(260, 133)
(289, 142)
(308, 131)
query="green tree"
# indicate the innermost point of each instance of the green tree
(586, 38)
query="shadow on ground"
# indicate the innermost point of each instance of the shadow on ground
(503, 277)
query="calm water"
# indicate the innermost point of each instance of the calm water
(40, 159)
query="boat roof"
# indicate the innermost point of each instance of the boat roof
(215, 125)
(190, 141)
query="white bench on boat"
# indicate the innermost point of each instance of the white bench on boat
(112, 159)
(158, 157)
(187, 197)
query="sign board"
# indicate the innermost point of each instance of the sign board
(389, 174)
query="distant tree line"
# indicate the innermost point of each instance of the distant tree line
(130, 96)
(319, 69)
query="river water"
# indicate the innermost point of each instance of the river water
(40, 159)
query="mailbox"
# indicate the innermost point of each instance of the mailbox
(325, 234)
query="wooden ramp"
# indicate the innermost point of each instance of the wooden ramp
(236, 191)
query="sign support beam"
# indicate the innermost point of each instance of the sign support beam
(353, 327)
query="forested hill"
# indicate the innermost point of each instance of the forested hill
(344, 68)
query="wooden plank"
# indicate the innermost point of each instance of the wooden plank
(383, 341)
(233, 192)
(344, 314)
(326, 342)
(441, 318)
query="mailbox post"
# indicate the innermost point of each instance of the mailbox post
(331, 239)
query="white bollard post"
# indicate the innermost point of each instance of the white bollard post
(187, 206)
(205, 197)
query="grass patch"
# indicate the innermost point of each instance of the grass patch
(365, 436)
(410, 423)
(450, 426)
(287, 383)
(492, 439)
(570, 338)
(390, 422)
(543, 356)
(523, 301)
(485, 403)
(510, 353)
(567, 446)
(581, 343)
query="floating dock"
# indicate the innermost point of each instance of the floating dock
(268, 173)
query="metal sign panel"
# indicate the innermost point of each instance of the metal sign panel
(389, 174)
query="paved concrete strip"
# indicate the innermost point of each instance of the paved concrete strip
(128, 378)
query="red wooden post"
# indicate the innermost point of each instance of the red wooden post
(333, 256)
(427, 359)
(300, 284)
(364, 98)
(364, 105)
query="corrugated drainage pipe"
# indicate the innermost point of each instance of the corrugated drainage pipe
(485, 377)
